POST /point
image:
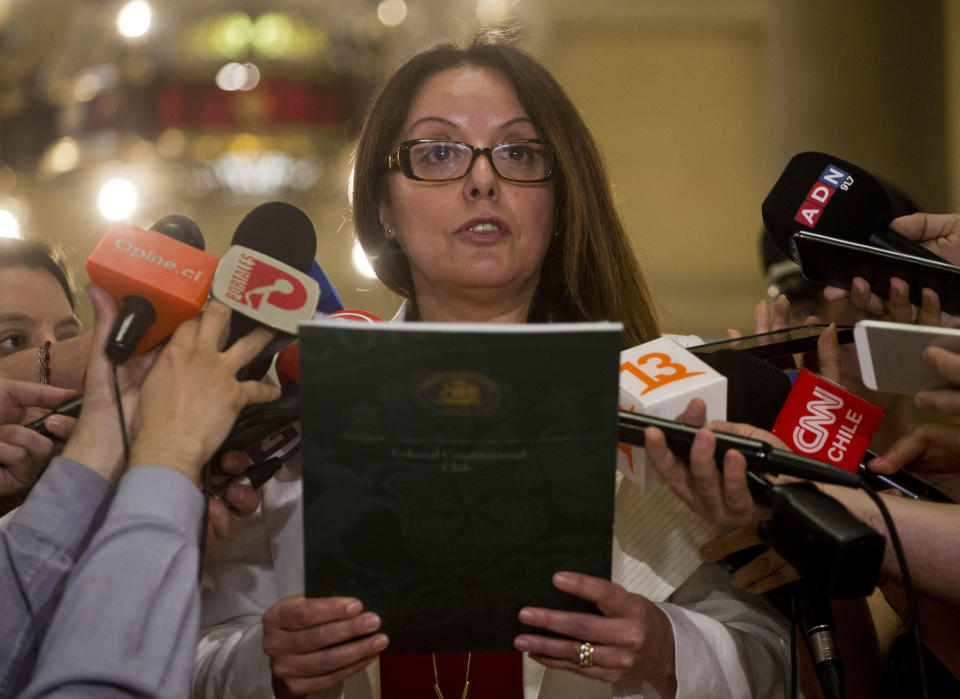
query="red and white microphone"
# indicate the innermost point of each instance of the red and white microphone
(826, 422)
(265, 289)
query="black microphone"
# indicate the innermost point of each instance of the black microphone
(827, 195)
(180, 228)
(756, 389)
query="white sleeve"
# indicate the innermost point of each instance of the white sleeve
(727, 642)
(239, 586)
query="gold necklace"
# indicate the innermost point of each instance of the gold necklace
(436, 679)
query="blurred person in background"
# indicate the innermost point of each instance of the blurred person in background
(37, 317)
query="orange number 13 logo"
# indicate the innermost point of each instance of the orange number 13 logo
(667, 372)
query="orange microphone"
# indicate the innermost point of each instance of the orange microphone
(157, 280)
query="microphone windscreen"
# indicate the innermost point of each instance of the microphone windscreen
(280, 230)
(180, 228)
(822, 193)
(756, 390)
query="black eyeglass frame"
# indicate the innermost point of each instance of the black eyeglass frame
(400, 159)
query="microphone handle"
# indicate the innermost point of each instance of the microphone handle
(135, 316)
(818, 626)
(895, 242)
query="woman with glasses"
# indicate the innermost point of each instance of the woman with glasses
(480, 197)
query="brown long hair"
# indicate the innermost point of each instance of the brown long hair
(590, 272)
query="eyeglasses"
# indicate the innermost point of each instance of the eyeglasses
(437, 160)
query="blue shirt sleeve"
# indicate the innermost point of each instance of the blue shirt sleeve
(38, 549)
(128, 621)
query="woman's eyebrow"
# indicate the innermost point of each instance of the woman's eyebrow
(446, 122)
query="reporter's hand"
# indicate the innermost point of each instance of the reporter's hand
(25, 401)
(238, 500)
(96, 441)
(938, 233)
(191, 397)
(719, 496)
(767, 319)
(314, 643)
(947, 364)
(632, 637)
(24, 453)
(927, 448)
(765, 572)
(897, 307)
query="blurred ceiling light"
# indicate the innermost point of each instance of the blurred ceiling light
(490, 11)
(117, 199)
(133, 20)
(259, 174)
(9, 225)
(361, 263)
(233, 33)
(272, 34)
(62, 156)
(392, 12)
(237, 76)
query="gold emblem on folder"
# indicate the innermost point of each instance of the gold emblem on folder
(466, 393)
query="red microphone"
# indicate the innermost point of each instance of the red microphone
(288, 359)
(826, 422)
(158, 281)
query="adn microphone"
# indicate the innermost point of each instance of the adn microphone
(824, 194)
(158, 281)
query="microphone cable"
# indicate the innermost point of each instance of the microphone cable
(123, 423)
(907, 583)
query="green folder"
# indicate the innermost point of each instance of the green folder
(450, 469)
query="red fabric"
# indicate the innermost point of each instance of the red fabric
(492, 675)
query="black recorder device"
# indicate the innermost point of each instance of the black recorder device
(836, 262)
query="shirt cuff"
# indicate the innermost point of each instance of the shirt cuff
(160, 493)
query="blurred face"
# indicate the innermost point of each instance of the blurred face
(479, 237)
(33, 309)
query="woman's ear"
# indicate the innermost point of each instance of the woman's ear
(384, 216)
